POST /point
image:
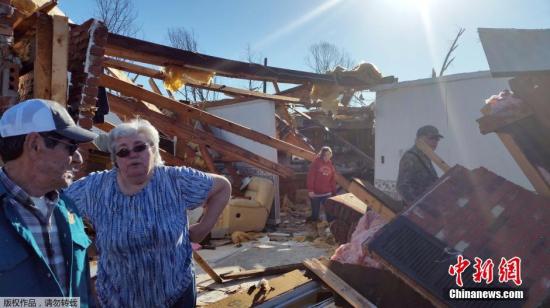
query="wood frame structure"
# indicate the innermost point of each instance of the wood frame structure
(88, 50)
(523, 129)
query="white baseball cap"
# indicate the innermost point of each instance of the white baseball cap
(41, 115)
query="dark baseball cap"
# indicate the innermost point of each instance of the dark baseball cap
(429, 131)
(41, 115)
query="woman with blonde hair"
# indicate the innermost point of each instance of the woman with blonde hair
(321, 182)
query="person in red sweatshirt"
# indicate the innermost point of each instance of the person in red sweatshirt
(321, 183)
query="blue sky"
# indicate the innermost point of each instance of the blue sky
(404, 38)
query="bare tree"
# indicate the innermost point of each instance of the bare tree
(119, 16)
(252, 57)
(324, 57)
(454, 45)
(184, 39)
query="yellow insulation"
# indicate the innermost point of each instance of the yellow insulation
(176, 77)
(27, 7)
(329, 95)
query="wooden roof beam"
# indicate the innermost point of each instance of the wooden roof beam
(157, 74)
(187, 111)
(176, 128)
(147, 52)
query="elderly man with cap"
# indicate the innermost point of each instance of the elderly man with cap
(42, 239)
(416, 172)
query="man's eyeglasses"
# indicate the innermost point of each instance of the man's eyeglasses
(136, 149)
(71, 147)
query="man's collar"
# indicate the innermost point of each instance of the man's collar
(19, 194)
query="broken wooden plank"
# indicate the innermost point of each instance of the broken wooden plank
(337, 284)
(47, 7)
(60, 59)
(176, 128)
(147, 52)
(154, 86)
(386, 209)
(152, 73)
(493, 122)
(42, 71)
(255, 296)
(194, 113)
(206, 267)
(133, 68)
(532, 174)
(428, 151)
(170, 95)
(259, 272)
(246, 93)
(276, 86)
(116, 73)
(351, 201)
(207, 158)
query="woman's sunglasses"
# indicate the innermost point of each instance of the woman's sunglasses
(126, 152)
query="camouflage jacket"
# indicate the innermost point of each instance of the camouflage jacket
(416, 174)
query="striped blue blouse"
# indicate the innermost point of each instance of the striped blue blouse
(142, 239)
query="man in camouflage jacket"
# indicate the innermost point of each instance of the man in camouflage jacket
(416, 172)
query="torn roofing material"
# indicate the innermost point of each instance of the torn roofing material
(477, 214)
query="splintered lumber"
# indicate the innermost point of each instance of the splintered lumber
(207, 158)
(523, 162)
(154, 86)
(184, 132)
(60, 59)
(336, 283)
(206, 267)
(47, 7)
(133, 68)
(257, 295)
(118, 74)
(42, 71)
(375, 199)
(493, 122)
(426, 149)
(138, 50)
(245, 93)
(152, 73)
(187, 111)
(259, 272)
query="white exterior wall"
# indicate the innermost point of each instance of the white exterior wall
(452, 105)
(258, 115)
